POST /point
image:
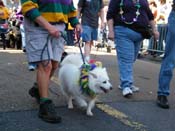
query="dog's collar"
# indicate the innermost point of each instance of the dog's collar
(84, 79)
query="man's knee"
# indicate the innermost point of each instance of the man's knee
(45, 67)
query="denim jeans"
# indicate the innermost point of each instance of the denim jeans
(168, 62)
(127, 44)
(89, 33)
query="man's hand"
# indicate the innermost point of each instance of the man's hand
(156, 34)
(78, 28)
(53, 31)
(111, 35)
(49, 27)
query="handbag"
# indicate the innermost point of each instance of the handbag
(146, 31)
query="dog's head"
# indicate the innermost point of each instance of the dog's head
(99, 80)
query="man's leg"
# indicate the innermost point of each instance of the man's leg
(167, 66)
(47, 110)
(55, 65)
(43, 77)
(87, 50)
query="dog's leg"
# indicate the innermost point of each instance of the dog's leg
(70, 104)
(81, 102)
(90, 106)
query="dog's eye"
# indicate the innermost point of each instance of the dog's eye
(104, 82)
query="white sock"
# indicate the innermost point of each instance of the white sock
(87, 59)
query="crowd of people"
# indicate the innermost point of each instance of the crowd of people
(10, 30)
(160, 10)
(42, 26)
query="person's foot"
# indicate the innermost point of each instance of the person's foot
(47, 112)
(133, 88)
(162, 101)
(127, 92)
(34, 92)
(31, 67)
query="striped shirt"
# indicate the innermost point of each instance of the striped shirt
(54, 11)
(4, 12)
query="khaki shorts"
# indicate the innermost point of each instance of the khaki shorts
(40, 46)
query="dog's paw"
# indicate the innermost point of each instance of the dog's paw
(70, 107)
(89, 113)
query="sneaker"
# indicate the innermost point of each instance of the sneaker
(127, 92)
(162, 101)
(31, 67)
(133, 88)
(34, 92)
(47, 112)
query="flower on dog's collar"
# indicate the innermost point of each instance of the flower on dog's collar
(85, 68)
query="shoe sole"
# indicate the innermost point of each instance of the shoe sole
(50, 120)
(161, 106)
(128, 95)
(137, 90)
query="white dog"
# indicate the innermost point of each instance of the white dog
(75, 59)
(81, 85)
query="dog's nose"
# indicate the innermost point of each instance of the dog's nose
(111, 88)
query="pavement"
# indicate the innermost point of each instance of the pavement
(113, 112)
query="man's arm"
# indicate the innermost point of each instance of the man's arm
(46, 25)
(110, 23)
(102, 17)
(30, 11)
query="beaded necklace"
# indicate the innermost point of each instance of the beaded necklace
(137, 5)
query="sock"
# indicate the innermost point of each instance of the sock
(87, 59)
(43, 99)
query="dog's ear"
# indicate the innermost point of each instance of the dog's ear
(93, 75)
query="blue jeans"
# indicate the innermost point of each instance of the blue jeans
(128, 44)
(168, 63)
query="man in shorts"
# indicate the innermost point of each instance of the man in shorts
(90, 11)
(44, 22)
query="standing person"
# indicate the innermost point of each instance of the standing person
(90, 11)
(127, 21)
(44, 22)
(168, 63)
(4, 15)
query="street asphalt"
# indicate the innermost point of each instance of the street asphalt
(113, 112)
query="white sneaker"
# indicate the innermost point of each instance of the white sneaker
(127, 92)
(133, 88)
(31, 67)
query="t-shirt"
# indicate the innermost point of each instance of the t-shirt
(90, 11)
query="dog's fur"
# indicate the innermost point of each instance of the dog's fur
(69, 75)
(75, 59)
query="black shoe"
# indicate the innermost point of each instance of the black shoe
(47, 112)
(34, 92)
(162, 101)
